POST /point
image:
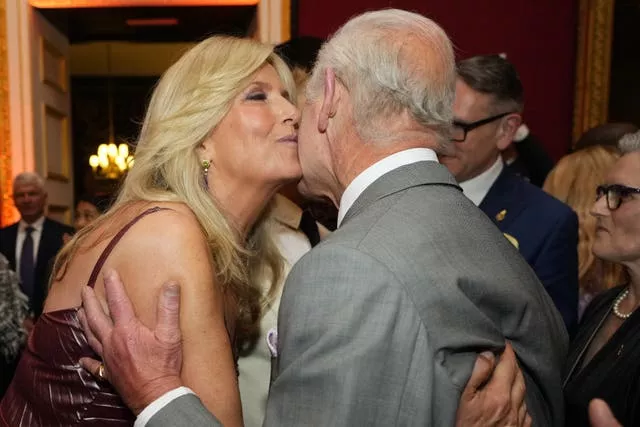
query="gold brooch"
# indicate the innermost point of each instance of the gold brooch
(500, 215)
(513, 240)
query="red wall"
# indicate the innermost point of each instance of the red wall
(538, 36)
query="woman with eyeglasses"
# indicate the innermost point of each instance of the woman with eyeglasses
(572, 181)
(604, 357)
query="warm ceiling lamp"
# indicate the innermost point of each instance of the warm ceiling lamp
(111, 161)
(70, 4)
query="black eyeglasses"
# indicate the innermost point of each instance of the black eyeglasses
(460, 129)
(615, 194)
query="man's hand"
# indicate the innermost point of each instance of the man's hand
(142, 364)
(600, 414)
(494, 397)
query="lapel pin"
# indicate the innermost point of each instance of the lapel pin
(500, 215)
(512, 240)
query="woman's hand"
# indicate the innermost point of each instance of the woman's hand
(600, 414)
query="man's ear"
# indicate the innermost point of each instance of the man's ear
(328, 109)
(508, 129)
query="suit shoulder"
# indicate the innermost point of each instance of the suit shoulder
(64, 228)
(342, 253)
(9, 227)
(540, 200)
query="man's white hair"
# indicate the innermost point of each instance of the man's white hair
(29, 178)
(629, 143)
(391, 61)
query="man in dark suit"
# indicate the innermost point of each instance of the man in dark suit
(31, 243)
(487, 113)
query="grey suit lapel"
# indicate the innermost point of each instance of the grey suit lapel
(412, 175)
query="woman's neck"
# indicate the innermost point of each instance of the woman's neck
(243, 204)
(634, 285)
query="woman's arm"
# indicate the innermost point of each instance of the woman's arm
(169, 246)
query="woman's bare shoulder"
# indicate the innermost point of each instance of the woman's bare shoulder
(175, 221)
(166, 245)
(172, 233)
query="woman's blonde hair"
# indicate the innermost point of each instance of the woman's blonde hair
(190, 99)
(573, 181)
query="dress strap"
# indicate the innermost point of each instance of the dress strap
(107, 251)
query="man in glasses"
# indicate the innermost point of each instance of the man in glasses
(487, 112)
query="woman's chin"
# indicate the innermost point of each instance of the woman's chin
(292, 178)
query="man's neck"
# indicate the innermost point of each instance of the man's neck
(366, 155)
(477, 187)
(32, 220)
(385, 165)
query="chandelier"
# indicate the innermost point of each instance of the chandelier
(111, 161)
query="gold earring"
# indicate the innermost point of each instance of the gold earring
(205, 171)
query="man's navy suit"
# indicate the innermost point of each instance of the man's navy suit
(50, 243)
(545, 231)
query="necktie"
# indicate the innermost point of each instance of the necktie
(27, 264)
(309, 227)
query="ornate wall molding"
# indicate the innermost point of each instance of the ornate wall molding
(593, 64)
(6, 204)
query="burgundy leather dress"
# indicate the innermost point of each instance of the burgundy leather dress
(49, 387)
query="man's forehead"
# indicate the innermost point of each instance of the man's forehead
(470, 101)
(27, 187)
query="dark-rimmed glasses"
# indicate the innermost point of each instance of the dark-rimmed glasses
(460, 130)
(615, 194)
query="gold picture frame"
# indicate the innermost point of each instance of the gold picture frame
(593, 65)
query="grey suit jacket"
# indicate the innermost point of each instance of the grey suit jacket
(380, 324)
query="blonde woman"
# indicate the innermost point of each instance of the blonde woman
(572, 181)
(218, 140)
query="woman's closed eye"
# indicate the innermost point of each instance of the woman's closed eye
(257, 96)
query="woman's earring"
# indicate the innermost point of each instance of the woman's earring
(205, 171)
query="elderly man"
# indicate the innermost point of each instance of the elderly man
(31, 243)
(380, 323)
(487, 113)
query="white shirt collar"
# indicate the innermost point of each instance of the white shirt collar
(376, 170)
(37, 224)
(477, 188)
